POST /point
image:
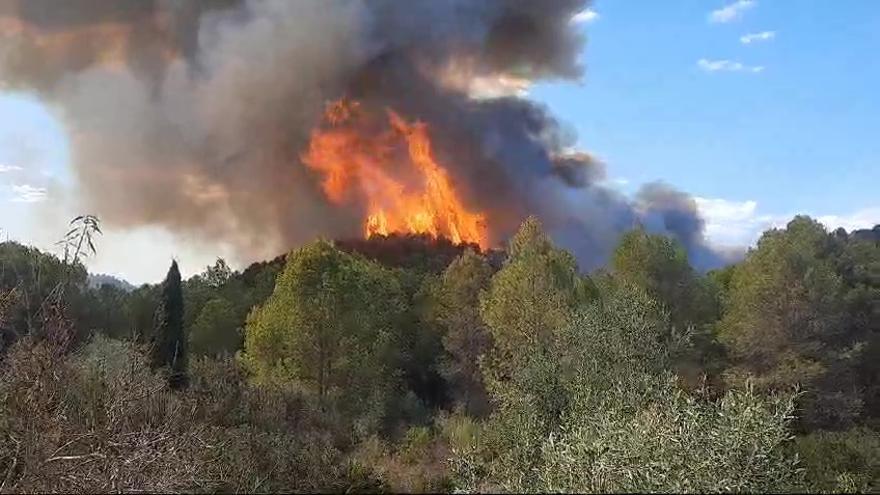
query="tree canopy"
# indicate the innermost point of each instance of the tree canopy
(411, 364)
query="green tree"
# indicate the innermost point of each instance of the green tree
(330, 326)
(218, 274)
(419, 347)
(455, 307)
(216, 330)
(659, 265)
(721, 279)
(169, 340)
(36, 277)
(528, 303)
(626, 426)
(211, 284)
(784, 323)
(196, 293)
(530, 298)
(140, 310)
(218, 300)
(103, 311)
(858, 264)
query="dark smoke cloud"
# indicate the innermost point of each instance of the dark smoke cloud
(193, 115)
(664, 209)
(578, 169)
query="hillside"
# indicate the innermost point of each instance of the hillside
(403, 363)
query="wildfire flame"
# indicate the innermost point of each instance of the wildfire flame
(393, 170)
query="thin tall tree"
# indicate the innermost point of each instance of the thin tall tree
(169, 348)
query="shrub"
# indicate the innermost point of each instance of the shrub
(841, 461)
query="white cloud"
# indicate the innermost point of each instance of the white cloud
(750, 38)
(464, 75)
(727, 66)
(497, 86)
(735, 223)
(862, 219)
(740, 223)
(585, 16)
(731, 12)
(26, 193)
(9, 168)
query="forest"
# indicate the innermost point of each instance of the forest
(407, 363)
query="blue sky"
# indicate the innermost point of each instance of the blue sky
(783, 122)
(797, 134)
(800, 134)
(34, 154)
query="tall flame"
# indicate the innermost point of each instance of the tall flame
(393, 171)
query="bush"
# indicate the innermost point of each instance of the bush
(619, 422)
(97, 421)
(842, 461)
(417, 464)
(653, 438)
(100, 420)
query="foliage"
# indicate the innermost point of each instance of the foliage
(659, 265)
(667, 441)
(624, 426)
(218, 300)
(103, 310)
(454, 307)
(218, 274)
(420, 253)
(140, 311)
(415, 464)
(785, 324)
(169, 340)
(843, 461)
(35, 277)
(329, 325)
(101, 421)
(409, 364)
(858, 263)
(215, 331)
(79, 240)
(529, 300)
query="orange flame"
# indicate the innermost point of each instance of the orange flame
(394, 171)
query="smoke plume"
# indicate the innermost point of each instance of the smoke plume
(194, 115)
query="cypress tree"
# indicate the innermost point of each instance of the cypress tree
(169, 342)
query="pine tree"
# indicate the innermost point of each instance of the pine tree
(169, 342)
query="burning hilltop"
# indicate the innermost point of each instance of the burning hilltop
(392, 172)
(263, 124)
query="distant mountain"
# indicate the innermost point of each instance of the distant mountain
(96, 280)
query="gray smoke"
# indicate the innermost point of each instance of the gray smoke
(193, 115)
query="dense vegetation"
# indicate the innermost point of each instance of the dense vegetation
(410, 364)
